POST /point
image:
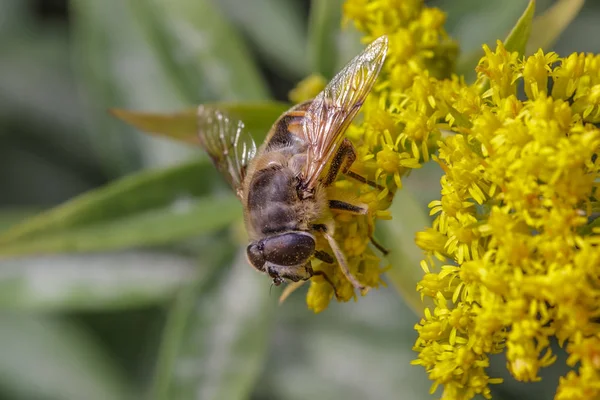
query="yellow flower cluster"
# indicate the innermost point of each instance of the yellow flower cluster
(394, 134)
(416, 33)
(520, 188)
(521, 185)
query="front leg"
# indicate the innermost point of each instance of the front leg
(339, 255)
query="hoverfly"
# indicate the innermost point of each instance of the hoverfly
(282, 184)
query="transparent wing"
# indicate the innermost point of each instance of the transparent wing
(227, 143)
(336, 106)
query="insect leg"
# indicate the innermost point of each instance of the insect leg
(341, 161)
(324, 275)
(343, 206)
(362, 179)
(324, 256)
(342, 262)
(378, 245)
(293, 286)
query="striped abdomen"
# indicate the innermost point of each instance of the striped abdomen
(271, 200)
(273, 204)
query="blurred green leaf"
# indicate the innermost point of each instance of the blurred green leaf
(48, 99)
(582, 34)
(182, 219)
(215, 343)
(15, 17)
(324, 29)
(209, 58)
(409, 217)
(92, 281)
(519, 35)
(117, 66)
(341, 349)
(45, 358)
(276, 29)
(345, 363)
(182, 126)
(134, 194)
(12, 216)
(547, 27)
(45, 154)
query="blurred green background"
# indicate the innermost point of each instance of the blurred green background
(150, 303)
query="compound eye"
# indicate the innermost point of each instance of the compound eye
(289, 249)
(255, 255)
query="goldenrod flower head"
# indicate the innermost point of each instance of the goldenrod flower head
(521, 181)
(417, 39)
(500, 67)
(536, 71)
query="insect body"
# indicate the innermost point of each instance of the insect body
(282, 186)
(280, 212)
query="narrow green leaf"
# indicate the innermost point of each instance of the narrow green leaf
(519, 35)
(175, 332)
(145, 191)
(547, 27)
(46, 358)
(405, 256)
(210, 58)
(324, 30)
(215, 342)
(460, 119)
(180, 312)
(92, 281)
(11, 216)
(180, 220)
(276, 28)
(589, 228)
(182, 126)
